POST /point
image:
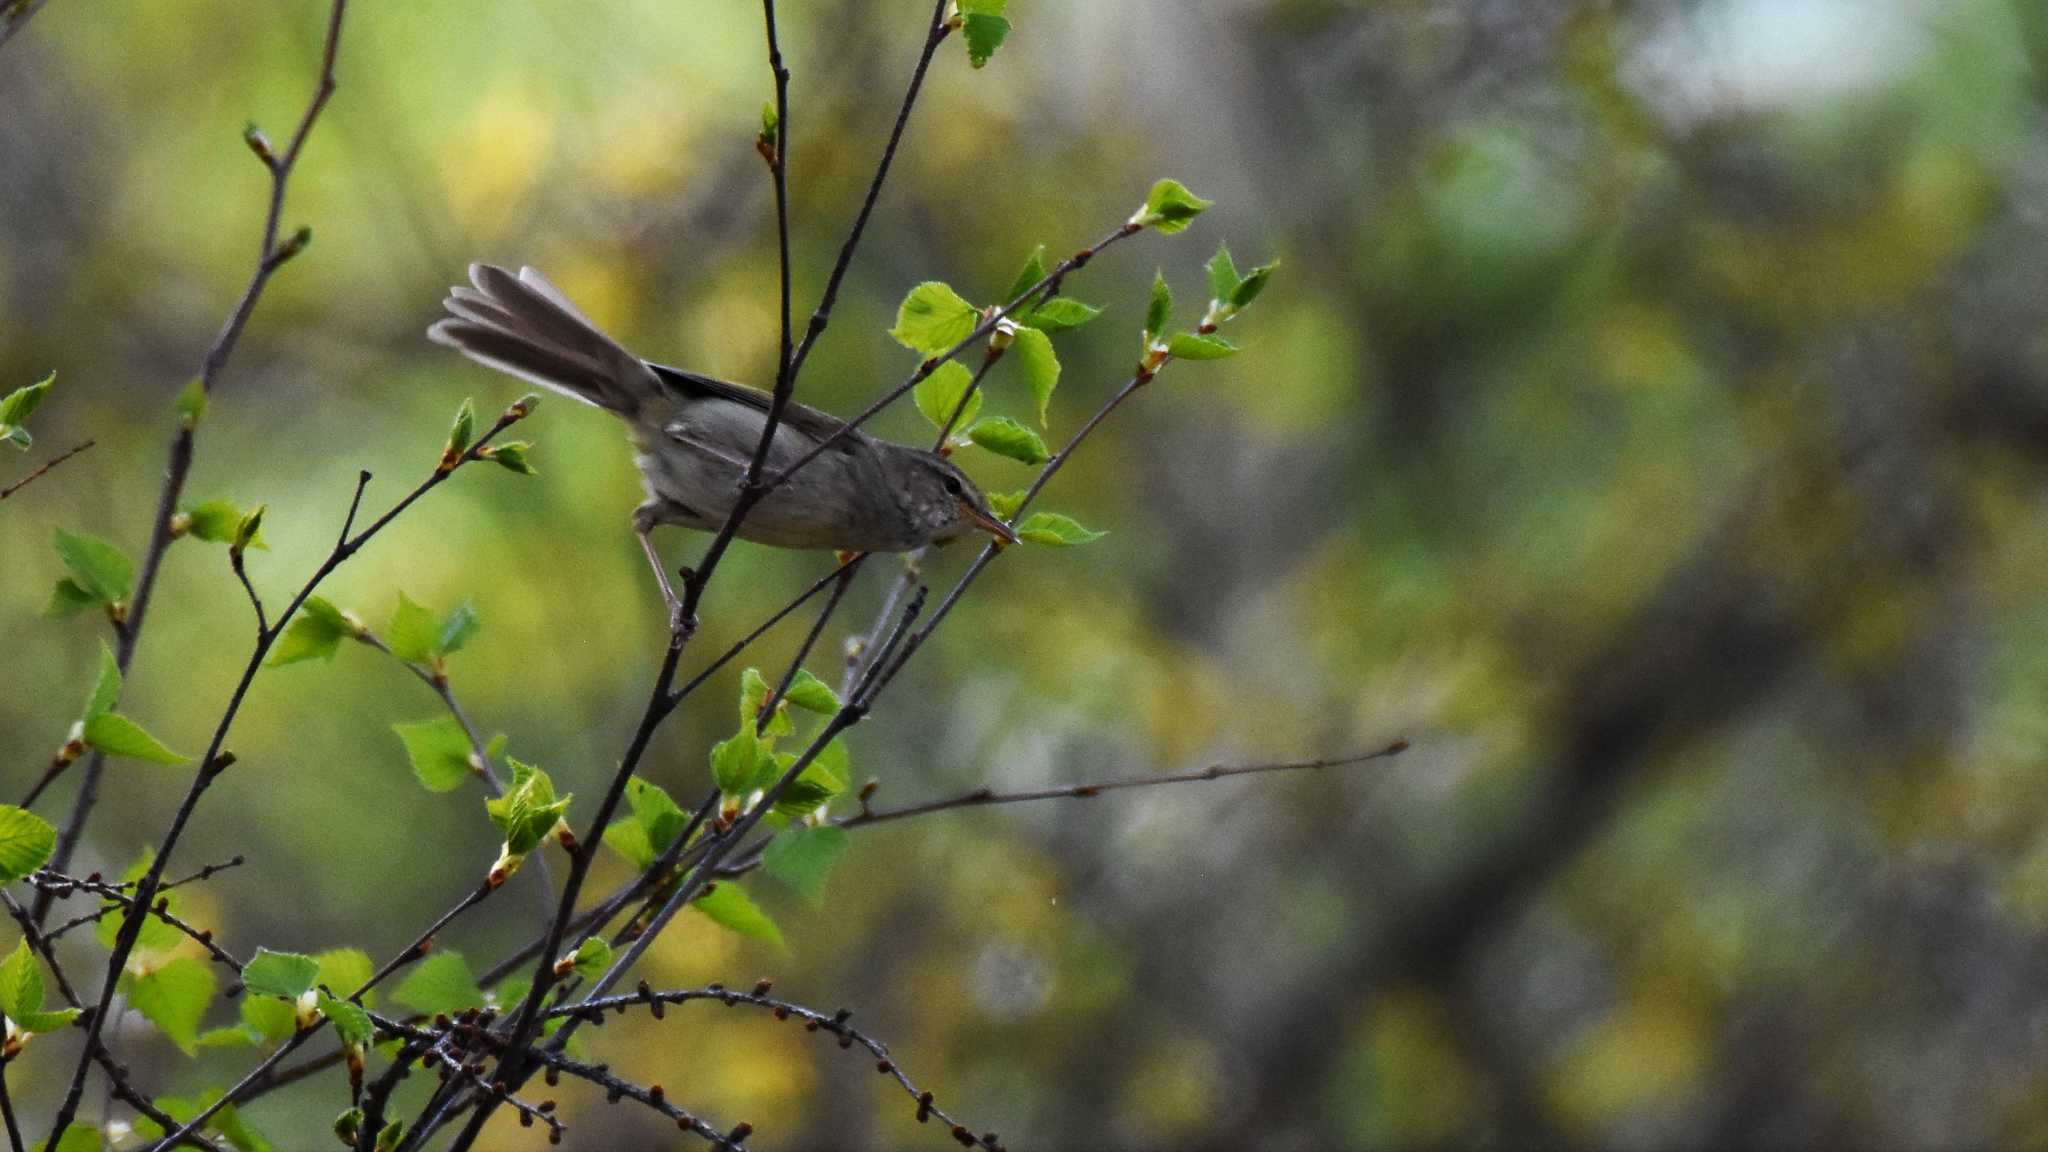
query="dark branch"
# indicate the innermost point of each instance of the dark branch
(47, 465)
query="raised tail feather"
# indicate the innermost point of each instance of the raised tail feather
(523, 326)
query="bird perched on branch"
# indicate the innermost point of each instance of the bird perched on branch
(695, 435)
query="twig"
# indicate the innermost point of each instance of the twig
(14, 1140)
(796, 663)
(52, 462)
(934, 36)
(270, 257)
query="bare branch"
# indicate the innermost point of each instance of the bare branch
(47, 465)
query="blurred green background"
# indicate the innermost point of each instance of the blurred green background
(1650, 422)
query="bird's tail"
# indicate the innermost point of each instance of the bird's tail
(523, 326)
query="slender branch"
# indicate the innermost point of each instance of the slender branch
(834, 1024)
(255, 601)
(270, 257)
(14, 1140)
(159, 912)
(847, 572)
(16, 14)
(934, 36)
(741, 645)
(47, 465)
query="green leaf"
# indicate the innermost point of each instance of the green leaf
(726, 905)
(1005, 504)
(21, 983)
(315, 634)
(933, 319)
(511, 456)
(528, 810)
(351, 1022)
(1005, 437)
(98, 568)
(1195, 346)
(656, 813)
(441, 983)
(803, 858)
(463, 430)
(287, 975)
(271, 1020)
(1028, 278)
(736, 762)
(1055, 531)
(213, 521)
(1169, 207)
(249, 530)
(984, 34)
(812, 694)
(1223, 277)
(232, 1035)
(67, 599)
(939, 393)
(753, 694)
(17, 406)
(191, 404)
(1253, 284)
(117, 735)
(414, 633)
(769, 120)
(106, 691)
(1059, 314)
(174, 996)
(26, 841)
(457, 628)
(1160, 310)
(1041, 367)
(345, 969)
(628, 838)
(591, 958)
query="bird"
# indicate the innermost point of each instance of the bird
(694, 435)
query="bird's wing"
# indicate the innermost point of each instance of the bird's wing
(816, 425)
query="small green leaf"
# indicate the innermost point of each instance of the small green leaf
(17, 406)
(191, 404)
(351, 1022)
(736, 762)
(1195, 346)
(626, 837)
(1169, 207)
(984, 34)
(117, 735)
(26, 841)
(249, 530)
(803, 858)
(528, 810)
(1223, 277)
(1005, 504)
(591, 958)
(21, 983)
(1254, 283)
(656, 812)
(345, 969)
(463, 430)
(315, 634)
(106, 690)
(414, 633)
(97, 567)
(1055, 530)
(1060, 314)
(287, 975)
(213, 521)
(1005, 437)
(812, 694)
(1160, 310)
(271, 1020)
(1028, 278)
(67, 599)
(1041, 367)
(769, 120)
(387, 1139)
(726, 905)
(938, 394)
(174, 997)
(441, 983)
(457, 628)
(753, 694)
(511, 456)
(933, 319)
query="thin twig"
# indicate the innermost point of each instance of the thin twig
(803, 651)
(270, 257)
(52, 462)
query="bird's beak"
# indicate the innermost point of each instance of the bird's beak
(989, 524)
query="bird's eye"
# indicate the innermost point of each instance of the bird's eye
(953, 485)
